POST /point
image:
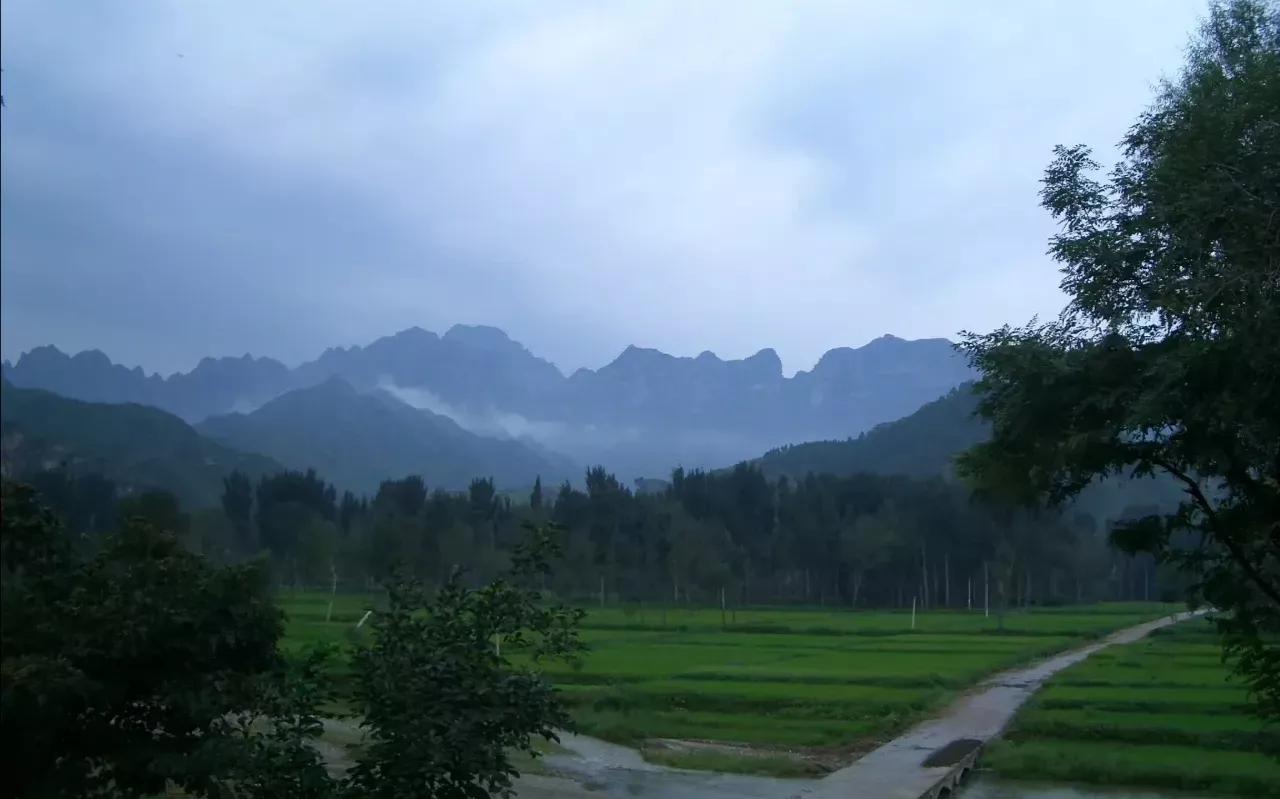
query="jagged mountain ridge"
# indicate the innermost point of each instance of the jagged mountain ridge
(641, 414)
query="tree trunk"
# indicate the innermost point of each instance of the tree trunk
(924, 578)
(946, 579)
(986, 592)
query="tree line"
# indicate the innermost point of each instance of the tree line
(704, 537)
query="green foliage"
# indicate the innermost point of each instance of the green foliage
(1165, 359)
(130, 670)
(441, 699)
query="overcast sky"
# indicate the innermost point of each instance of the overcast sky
(184, 179)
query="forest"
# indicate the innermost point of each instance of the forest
(734, 535)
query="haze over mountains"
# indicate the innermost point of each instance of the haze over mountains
(640, 415)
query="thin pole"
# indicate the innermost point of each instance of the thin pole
(986, 593)
(913, 613)
(602, 590)
(969, 601)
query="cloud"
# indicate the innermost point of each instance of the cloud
(189, 179)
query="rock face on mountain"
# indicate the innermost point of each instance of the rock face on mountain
(357, 440)
(640, 415)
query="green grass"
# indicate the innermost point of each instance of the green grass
(1225, 773)
(772, 677)
(1159, 713)
(771, 765)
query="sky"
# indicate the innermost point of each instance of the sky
(184, 179)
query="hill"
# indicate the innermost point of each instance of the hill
(921, 444)
(356, 440)
(136, 446)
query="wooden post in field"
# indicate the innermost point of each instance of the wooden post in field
(602, 590)
(986, 593)
(946, 579)
(969, 601)
(722, 623)
(333, 592)
(913, 613)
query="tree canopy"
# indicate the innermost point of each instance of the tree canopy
(1167, 358)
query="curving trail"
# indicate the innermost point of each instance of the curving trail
(895, 770)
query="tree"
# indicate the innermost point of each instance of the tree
(443, 703)
(134, 668)
(1165, 359)
(237, 504)
(865, 543)
(158, 508)
(535, 496)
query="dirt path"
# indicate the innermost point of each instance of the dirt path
(893, 771)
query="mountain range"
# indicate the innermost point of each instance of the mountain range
(639, 415)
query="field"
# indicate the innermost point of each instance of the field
(1159, 713)
(826, 683)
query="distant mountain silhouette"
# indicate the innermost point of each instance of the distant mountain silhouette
(357, 440)
(138, 447)
(640, 415)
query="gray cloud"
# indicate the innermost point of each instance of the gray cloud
(183, 179)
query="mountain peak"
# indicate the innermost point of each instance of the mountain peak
(414, 333)
(483, 336)
(44, 353)
(766, 360)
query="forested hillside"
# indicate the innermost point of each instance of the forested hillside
(922, 444)
(134, 446)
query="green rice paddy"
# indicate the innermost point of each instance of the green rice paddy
(1159, 713)
(817, 680)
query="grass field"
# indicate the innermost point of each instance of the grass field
(1160, 713)
(827, 682)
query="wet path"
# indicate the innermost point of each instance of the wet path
(893, 771)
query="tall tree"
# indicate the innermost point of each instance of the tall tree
(237, 504)
(1166, 359)
(535, 496)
